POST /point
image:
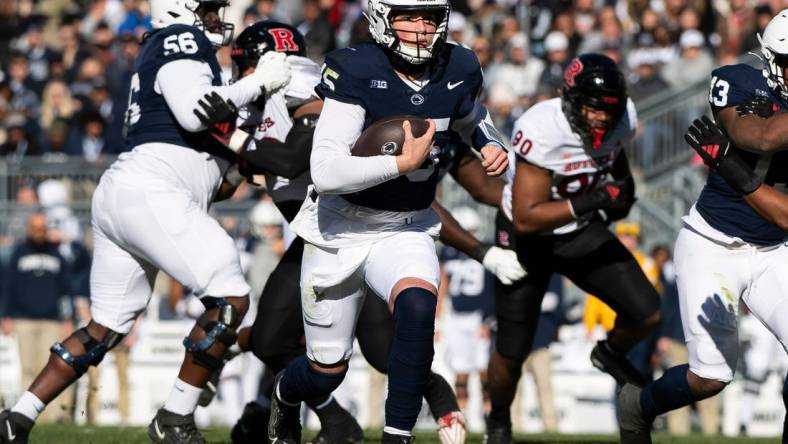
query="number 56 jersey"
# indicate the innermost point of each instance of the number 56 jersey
(543, 137)
(723, 209)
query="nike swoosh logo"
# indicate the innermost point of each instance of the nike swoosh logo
(11, 434)
(158, 431)
(454, 85)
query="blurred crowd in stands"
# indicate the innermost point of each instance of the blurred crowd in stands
(65, 65)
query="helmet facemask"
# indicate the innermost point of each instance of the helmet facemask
(592, 135)
(383, 27)
(593, 81)
(774, 69)
(209, 17)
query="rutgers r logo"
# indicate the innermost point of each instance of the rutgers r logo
(284, 40)
(572, 70)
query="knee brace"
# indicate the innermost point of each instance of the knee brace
(94, 349)
(222, 330)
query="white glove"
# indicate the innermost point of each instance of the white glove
(504, 265)
(272, 71)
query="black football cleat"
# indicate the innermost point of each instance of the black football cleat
(252, 426)
(284, 426)
(633, 427)
(171, 428)
(344, 431)
(616, 365)
(498, 432)
(389, 438)
(14, 427)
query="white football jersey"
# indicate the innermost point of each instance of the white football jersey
(542, 136)
(274, 122)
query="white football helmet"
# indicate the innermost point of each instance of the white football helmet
(379, 13)
(187, 12)
(774, 47)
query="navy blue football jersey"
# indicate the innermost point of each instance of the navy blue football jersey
(148, 118)
(363, 75)
(469, 285)
(723, 208)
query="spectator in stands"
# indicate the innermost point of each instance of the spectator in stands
(19, 143)
(564, 22)
(71, 50)
(645, 69)
(734, 26)
(672, 350)
(481, 47)
(38, 55)
(58, 141)
(137, 20)
(56, 104)
(607, 32)
(694, 64)
(24, 100)
(262, 10)
(458, 29)
(763, 14)
(317, 31)
(108, 12)
(91, 71)
(520, 72)
(92, 141)
(556, 46)
(36, 303)
(26, 202)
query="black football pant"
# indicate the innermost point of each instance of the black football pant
(591, 257)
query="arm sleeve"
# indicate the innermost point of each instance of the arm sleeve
(477, 128)
(287, 159)
(334, 170)
(183, 82)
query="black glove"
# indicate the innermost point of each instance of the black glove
(714, 147)
(617, 197)
(759, 106)
(219, 116)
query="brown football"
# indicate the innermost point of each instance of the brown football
(386, 136)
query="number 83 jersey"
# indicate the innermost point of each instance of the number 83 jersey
(722, 208)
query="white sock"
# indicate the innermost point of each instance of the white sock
(393, 431)
(183, 398)
(29, 405)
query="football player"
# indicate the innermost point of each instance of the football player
(149, 213)
(276, 336)
(571, 177)
(368, 222)
(732, 247)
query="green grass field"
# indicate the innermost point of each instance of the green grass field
(46, 434)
